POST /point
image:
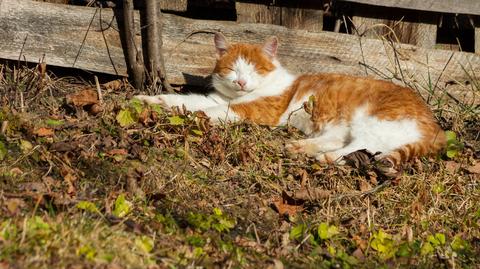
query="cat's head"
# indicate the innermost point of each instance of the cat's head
(241, 68)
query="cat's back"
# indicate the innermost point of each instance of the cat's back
(345, 93)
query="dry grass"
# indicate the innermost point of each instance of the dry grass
(176, 177)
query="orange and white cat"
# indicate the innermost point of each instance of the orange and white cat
(349, 113)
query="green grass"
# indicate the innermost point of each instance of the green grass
(184, 193)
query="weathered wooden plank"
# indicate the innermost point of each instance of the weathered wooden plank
(176, 5)
(258, 13)
(471, 7)
(416, 33)
(57, 31)
(293, 16)
(301, 18)
(406, 26)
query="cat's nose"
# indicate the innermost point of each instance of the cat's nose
(241, 83)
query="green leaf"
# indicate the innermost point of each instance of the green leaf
(451, 136)
(144, 243)
(125, 118)
(170, 226)
(88, 206)
(326, 231)
(426, 249)
(458, 244)
(383, 243)
(122, 206)
(453, 145)
(196, 241)
(197, 132)
(137, 105)
(156, 108)
(8, 230)
(438, 188)
(220, 222)
(87, 251)
(3, 151)
(108, 257)
(37, 223)
(436, 240)
(176, 120)
(217, 211)
(440, 238)
(25, 146)
(404, 250)
(224, 224)
(197, 252)
(53, 122)
(451, 153)
(298, 231)
(316, 167)
(331, 250)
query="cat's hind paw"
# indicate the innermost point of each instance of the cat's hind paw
(330, 158)
(151, 99)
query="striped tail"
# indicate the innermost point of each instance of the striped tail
(428, 146)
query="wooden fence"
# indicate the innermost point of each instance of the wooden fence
(446, 24)
(85, 38)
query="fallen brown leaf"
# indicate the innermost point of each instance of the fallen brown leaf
(14, 205)
(113, 85)
(474, 169)
(96, 108)
(283, 208)
(311, 194)
(64, 146)
(364, 185)
(117, 152)
(42, 132)
(4, 265)
(358, 253)
(362, 244)
(248, 243)
(144, 117)
(83, 98)
(452, 166)
(16, 171)
(35, 187)
(70, 179)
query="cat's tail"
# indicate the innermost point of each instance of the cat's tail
(428, 146)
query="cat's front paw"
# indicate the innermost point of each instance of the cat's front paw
(157, 99)
(301, 147)
(294, 147)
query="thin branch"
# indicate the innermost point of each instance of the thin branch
(84, 38)
(105, 41)
(99, 91)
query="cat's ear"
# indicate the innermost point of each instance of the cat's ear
(270, 46)
(221, 44)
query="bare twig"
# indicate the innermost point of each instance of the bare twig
(22, 102)
(99, 91)
(105, 41)
(84, 38)
(201, 31)
(4, 127)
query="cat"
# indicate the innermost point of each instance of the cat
(347, 113)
